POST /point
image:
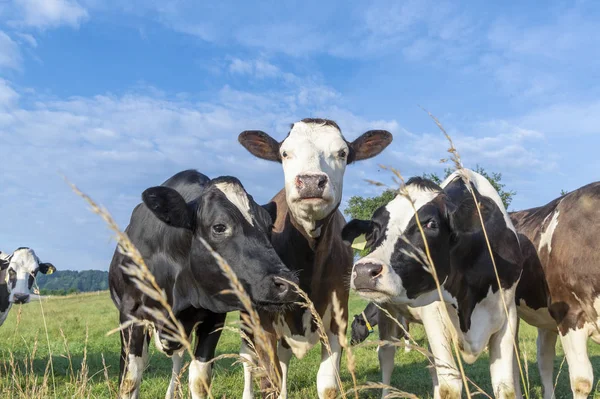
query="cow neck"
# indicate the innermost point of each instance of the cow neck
(320, 226)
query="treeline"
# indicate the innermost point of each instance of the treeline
(64, 282)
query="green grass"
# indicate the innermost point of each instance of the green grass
(96, 313)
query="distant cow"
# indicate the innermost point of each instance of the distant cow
(560, 286)
(17, 274)
(307, 235)
(363, 324)
(166, 229)
(394, 272)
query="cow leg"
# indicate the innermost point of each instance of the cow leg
(574, 343)
(388, 330)
(134, 354)
(502, 357)
(177, 360)
(284, 354)
(516, 373)
(546, 352)
(327, 386)
(207, 336)
(406, 340)
(449, 381)
(248, 363)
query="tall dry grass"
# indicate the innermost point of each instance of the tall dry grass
(27, 385)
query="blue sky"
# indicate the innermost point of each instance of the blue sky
(118, 96)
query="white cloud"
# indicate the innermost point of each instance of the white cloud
(8, 97)
(27, 38)
(258, 68)
(10, 56)
(565, 119)
(114, 147)
(50, 13)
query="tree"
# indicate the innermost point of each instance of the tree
(363, 208)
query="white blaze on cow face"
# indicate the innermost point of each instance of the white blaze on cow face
(319, 151)
(389, 285)
(238, 197)
(23, 264)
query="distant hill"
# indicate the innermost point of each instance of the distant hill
(63, 282)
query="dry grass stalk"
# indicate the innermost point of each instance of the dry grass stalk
(342, 325)
(456, 160)
(260, 344)
(428, 264)
(144, 280)
(558, 374)
(393, 392)
(320, 327)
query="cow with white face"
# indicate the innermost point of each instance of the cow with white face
(17, 274)
(394, 272)
(307, 237)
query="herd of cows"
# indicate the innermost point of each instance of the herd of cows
(541, 265)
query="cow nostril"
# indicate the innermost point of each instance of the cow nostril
(281, 287)
(375, 270)
(299, 182)
(322, 182)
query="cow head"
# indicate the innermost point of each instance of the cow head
(394, 270)
(314, 156)
(237, 228)
(21, 270)
(360, 331)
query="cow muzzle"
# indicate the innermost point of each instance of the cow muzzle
(21, 298)
(365, 276)
(311, 186)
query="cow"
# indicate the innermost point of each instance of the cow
(17, 274)
(168, 228)
(395, 272)
(363, 324)
(559, 291)
(307, 236)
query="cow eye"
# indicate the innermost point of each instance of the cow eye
(431, 224)
(284, 154)
(219, 228)
(342, 154)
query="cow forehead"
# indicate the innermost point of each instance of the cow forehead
(401, 210)
(24, 260)
(238, 197)
(318, 136)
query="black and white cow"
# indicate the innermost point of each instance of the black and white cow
(559, 292)
(364, 323)
(167, 229)
(307, 236)
(17, 274)
(394, 273)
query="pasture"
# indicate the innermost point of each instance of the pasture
(77, 327)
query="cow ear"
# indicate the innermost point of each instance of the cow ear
(356, 228)
(47, 268)
(169, 206)
(464, 218)
(271, 207)
(369, 144)
(260, 144)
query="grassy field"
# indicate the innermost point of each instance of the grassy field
(92, 315)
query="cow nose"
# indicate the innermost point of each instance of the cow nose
(311, 185)
(21, 298)
(365, 275)
(284, 291)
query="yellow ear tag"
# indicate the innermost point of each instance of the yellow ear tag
(360, 242)
(51, 270)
